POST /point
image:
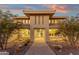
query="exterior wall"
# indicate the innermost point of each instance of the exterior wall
(54, 23)
(21, 20)
(39, 21)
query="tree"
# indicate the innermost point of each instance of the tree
(70, 30)
(6, 27)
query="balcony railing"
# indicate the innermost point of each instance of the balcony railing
(21, 25)
(54, 25)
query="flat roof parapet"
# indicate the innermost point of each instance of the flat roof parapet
(21, 17)
(59, 17)
(32, 12)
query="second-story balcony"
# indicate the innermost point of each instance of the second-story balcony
(22, 25)
(53, 25)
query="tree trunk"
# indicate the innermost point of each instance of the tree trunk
(1, 45)
(2, 41)
(6, 39)
(71, 40)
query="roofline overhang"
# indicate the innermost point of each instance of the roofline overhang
(39, 12)
(21, 17)
(59, 17)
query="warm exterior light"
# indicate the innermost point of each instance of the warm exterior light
(24, 35)
(53, 31)
(39, 36)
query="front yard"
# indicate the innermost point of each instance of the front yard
(61, 47)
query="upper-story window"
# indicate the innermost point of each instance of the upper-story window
(56, 21)
(49, 21)
(25, 21)
(53, 21)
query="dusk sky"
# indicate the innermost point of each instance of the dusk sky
(61, 10)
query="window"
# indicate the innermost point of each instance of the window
(26, 21)
(53, 31)
(49, 21)
(56, 21)
(53, 21)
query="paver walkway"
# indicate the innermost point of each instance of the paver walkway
(40, 49)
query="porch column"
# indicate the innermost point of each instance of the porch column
(46, 34)
(32, 34)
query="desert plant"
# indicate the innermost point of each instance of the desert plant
(70, 30)
(6, 27)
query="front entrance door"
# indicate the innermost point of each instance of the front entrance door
(39, 36)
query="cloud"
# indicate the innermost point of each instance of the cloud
(18, 8)
(58, 8)
(61, 9)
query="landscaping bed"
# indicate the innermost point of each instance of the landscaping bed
(60, 49)
(19, 50)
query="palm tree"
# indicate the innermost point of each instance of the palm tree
(70, 30)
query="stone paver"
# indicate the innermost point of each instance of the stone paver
(40, 49)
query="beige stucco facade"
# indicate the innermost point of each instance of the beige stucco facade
(39, 19)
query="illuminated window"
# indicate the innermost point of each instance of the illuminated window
(53, 21)
(56, 21)
(24, 22)
(49, 21)
(39, 32)
(25, 33)
(53, 31)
